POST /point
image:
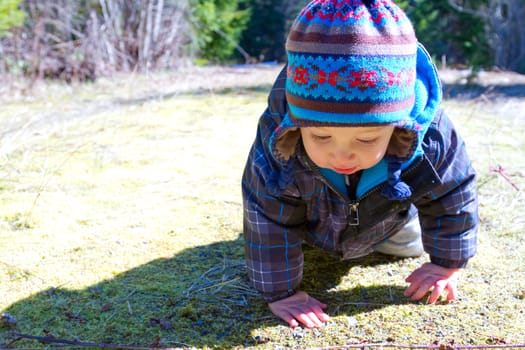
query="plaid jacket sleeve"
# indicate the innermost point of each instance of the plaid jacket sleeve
(449, 214)
(273, 225)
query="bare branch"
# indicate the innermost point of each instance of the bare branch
(158, 21)
(53, 340)
(470, 11)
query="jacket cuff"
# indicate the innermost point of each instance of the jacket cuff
(451, 264)
(271, 297)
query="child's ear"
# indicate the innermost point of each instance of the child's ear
(286, 143)
(401, 143)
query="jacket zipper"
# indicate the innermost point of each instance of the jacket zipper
(353, 213)
(352, 204)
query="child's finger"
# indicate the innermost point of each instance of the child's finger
(412, 288)
(308, 320)
(452, 290)
(417, 291)
(321, 315)
(293, 323)
(286, 316)
(313, 317)
(439, 287)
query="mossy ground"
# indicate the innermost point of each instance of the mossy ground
(120, 222)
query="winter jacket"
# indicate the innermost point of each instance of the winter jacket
(282, 214)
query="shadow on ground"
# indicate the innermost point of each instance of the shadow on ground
(198, 298)
(490, 92)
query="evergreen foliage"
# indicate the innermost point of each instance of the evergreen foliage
(266, 32)
(218, 25)
(10, 15)
(444, 31)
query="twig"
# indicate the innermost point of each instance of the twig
(8, 345)
(363, 303)
(203, 282)
(219, 284)
(130, 310)
(469, 11)
(439, 346)
(498, 169)
(51, 340)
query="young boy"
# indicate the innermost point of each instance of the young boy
(353, 155)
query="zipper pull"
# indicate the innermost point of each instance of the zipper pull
(353, 214)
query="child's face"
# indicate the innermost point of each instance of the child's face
(346, 149)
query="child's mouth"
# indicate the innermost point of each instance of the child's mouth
(345, 170)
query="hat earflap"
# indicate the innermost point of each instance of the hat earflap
(395, 188)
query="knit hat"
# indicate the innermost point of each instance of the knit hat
(353, 63)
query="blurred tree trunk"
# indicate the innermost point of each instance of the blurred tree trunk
(508, 33)
(505, 20)
(158, 21)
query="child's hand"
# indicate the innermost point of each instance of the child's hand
(302, 308)
(430, 276)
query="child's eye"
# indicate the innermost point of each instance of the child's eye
(320, 137)
(366, 141)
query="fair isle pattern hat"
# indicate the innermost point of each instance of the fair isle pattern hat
(352, 63)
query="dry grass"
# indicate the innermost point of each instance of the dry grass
(121, 213)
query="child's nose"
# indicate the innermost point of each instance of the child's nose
(344, 154)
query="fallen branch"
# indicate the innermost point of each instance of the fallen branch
(498, 169)
(438, 346)
(52, 340)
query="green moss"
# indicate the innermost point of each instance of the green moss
(134, 235)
